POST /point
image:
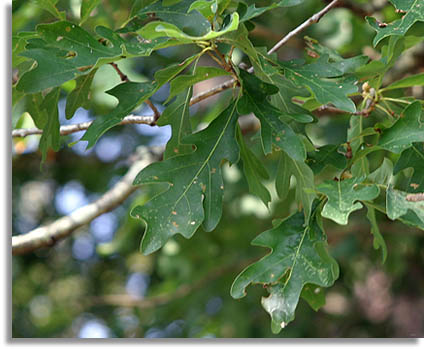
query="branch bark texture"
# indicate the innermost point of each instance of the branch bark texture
(48, 235)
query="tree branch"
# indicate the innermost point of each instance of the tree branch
(48, 235)
(68, 129)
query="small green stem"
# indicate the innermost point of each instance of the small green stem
(383, 109)
(396, 100)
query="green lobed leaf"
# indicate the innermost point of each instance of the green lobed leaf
(382, 175)
(87, 6)
(182, 82)
(273, 129)
(407, 129)
(304, 176)
(399, 205)
(65, 51)
(191, 24)
(344, 65)
(298, 257)
(412, 157)
(196, 186)
(326, 155)
(287, 90)
(158, 29)
(80, 95)
(325, 91)
(378, 239)
(343, 196)
(414, 13)
(130, 95)
(409, 81)
(254, 171)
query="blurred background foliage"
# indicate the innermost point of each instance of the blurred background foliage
(97, 284)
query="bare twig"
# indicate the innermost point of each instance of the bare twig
(211, 92)
(47, 235)
(156, 113)
(68, 129)
(313, 19)
(123, 77)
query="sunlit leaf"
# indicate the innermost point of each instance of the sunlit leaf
(343, 197)
(158, 29)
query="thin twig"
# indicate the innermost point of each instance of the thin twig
(209, 53)
(68, 129)
(49, 234)
(156, 113)
(123, 77)
(313, 19)
(211, 92)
